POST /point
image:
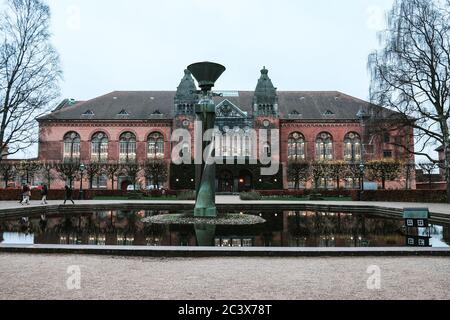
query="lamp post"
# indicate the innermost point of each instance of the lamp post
(362, 169)
(362, 115)
(82, 168)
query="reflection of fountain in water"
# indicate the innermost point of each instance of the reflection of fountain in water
(205, 235)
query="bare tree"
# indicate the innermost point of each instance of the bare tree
(384, 170)
(93, 170)
(156, 171)
(132, 170)
(8, 172)
(113, 170)
(321, 170)
(429, 168)
(68, 171)
(338, 171)
(29, 72)
(411, 74)
(298, 172)
(29, 168)
(48, 171)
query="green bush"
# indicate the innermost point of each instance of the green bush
(316, 197)
(186, 195)
(135, 195)
(248, 196)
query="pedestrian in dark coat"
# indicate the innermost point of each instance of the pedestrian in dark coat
(68, 195)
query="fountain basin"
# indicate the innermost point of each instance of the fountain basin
(223, 220)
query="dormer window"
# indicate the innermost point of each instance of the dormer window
(123, 113)
(89, 113)
(328, 113)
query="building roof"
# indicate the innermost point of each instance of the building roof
(146, 105)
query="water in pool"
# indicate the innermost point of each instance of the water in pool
(282, 229)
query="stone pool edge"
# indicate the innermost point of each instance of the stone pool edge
(212, 252)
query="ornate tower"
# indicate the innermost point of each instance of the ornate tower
(265, 100)
(186, 96)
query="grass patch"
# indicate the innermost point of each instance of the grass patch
(165, 198)
(248, 196)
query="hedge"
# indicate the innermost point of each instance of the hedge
(306, 192)
(425, 196)
(16, 194)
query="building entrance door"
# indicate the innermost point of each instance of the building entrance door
(226, 182)
(124, 185)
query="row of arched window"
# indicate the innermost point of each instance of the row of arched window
(226, 146)
(100, 146)
(324, 147)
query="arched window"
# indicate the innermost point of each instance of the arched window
(72, 143)
(324, 147)
(247, 146)
(127, 147)
(267, 149)
(218, 143)
(227, 141)
(352, 146)
(237, 141)
(156, 146)
(99, 147)
(296, 147)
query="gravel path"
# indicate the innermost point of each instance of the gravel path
(24, 276)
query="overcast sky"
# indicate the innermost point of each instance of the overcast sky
(108, 45)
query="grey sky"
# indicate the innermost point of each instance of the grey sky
(108, 45)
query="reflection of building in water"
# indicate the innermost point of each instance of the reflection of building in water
(289, 229)
(316, 229)
(446, 234)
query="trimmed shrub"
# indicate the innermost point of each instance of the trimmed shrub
(186, 195)
(249, 196)
(425, 196)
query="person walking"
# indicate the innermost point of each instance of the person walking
(26, 191)
(21, 196)
(44, 194)
(68, 194)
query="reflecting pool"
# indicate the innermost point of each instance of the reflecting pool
(282, 229)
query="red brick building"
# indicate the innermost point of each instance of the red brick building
(125, 126)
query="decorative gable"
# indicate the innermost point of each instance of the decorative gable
(226, 109)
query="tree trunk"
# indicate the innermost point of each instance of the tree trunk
(445, 133)
(383, 183)
(447, 170)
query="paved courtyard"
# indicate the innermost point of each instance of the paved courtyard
(45, 276)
